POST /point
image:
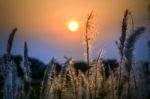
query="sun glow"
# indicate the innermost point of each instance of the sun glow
(73, 26)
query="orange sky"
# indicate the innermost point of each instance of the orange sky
(45, 20)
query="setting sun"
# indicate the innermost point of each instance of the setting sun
(73, 26)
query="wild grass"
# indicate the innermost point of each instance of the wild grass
(121, 47)
(89, 36)
(90, 79)
(14, 86)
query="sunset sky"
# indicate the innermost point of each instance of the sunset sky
(43, 24)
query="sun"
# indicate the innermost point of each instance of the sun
(73, 26)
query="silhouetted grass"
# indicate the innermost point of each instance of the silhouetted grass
(106, 79)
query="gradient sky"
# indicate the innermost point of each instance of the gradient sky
(42, 23)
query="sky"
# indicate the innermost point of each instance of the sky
(43, 24)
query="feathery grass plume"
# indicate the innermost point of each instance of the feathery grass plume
(130, 45)
(12, 83)
(45, 80)
(26, 68)
(84, 86)
(121, 45)
(129, 48)
(67, 84)
(54, 85)
(48, 80)
(96, 70)
(103, 89)
(74, 83)
(89, 36)
(10, 41)
(110, 71)
(122, 39)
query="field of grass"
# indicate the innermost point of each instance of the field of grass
(90, 79)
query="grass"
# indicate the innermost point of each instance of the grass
(90, 79)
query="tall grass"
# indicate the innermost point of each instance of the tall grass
(121, 46)
(129, 48)
(105, 80)
(89, 36)
(14, 85)
(10, 72)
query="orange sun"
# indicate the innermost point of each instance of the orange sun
(73, 26)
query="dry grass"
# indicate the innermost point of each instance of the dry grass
(69, 81)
